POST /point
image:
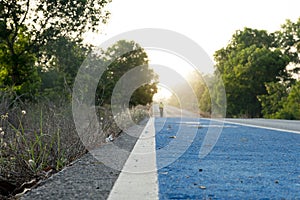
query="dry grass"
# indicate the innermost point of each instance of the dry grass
(36, 139)
(40, 139)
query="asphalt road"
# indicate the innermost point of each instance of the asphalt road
(291, 125)
(245, 163)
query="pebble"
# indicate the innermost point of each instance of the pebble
(202, 187)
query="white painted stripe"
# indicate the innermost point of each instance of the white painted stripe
(257, 126)
(138, 179)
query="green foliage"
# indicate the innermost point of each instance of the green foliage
(291, 107)
(120, 64)
(273, 101)
(66, 56)
(48, 20)
(218, 96)
(143, 95)
(28, 30)
(201, 86)
(17, 68)
(246, 64)
(205, 102)
(282, 100)
(288, 39)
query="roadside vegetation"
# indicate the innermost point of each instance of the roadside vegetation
(41, 50)
(260, 72)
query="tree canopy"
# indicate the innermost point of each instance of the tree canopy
(135, 56)
(27, 27)
(288, 39)
(250, 60)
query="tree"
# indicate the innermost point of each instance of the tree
(281, 100)
(202, 85)
(273, 101)
(22, 79)
(143, 95)
(66, 58)
(205, 102)
(27, 26)
(119, 65)
(249, 61)
(288, 39)
(291, 107)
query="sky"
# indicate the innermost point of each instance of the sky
(210, 23)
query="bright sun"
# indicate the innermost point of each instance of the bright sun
(170, 60)
(171, 69)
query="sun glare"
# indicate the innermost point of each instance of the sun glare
(162, 94)
(171, 69)
(170, 60)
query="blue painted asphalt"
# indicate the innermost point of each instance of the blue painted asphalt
(245, 163)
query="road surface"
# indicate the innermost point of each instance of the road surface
(183, 156)
(251, 159)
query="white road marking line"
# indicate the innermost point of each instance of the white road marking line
(138, 179)
(257, 126)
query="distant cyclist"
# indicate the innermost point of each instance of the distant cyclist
(161, 109)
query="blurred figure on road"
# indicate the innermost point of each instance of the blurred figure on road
(161, 109)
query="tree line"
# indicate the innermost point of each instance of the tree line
(260, 72)
(42, 48)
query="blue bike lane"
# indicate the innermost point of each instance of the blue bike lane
(245, 163)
